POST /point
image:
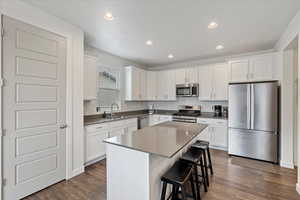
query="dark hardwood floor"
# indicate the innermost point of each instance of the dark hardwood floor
(235, 179)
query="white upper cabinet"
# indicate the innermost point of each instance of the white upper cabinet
(191, 75)
(186, 75)
(143, 82)
(239, 70)
(205, 82)
(166, 86)
(213, 82)
(90, 78)
(261, 68)
(151, 85)
(220, 82)
(180, 76)
(255, 68)
(136, 84)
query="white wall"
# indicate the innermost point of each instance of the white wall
(24, 12)
(112, 61)
(295, 103)
(291, 32)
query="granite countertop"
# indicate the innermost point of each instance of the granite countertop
(98, 119)
(164, 139)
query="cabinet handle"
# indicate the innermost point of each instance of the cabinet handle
(99, 127)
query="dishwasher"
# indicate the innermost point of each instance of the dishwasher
(143, 121)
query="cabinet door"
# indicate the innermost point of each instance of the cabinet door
(131, 129)
(90, 78)
(171, 85)
(166, 87)
(154, 119)
(261, 68)
(192, 75)
(151, 85)
(180, 76)
(205, 134)
(220, 79)
(116, 132)
(239, 70)
(218, 137)
(205, 82)
(161, 86)
(95, 147)
(143, 85)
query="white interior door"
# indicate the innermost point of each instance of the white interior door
(34, 108)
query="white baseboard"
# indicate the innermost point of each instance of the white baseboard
(94, 161)
(287, 165)
(77, 171)
(219, 148)
(298, 188)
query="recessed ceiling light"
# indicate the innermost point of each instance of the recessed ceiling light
(108, 16)
(170, 56)
(149, 42)
(220, 47)
(213, 25)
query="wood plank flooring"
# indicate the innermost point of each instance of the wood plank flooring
(234, 179)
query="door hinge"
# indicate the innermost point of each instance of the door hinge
(4, 181)
(2, 82)
(2, 32)
(3, 132)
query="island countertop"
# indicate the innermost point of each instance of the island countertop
(164, 139)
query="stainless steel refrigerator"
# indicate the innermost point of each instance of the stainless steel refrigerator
(253, 120)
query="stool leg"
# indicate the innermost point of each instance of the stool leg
(163, 193)
(210, 163)
(203, 174)
(197, 181)
(174, 192)
(193, 188)
(183, 192)
(205, 168)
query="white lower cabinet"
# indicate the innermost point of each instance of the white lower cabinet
(157, 119)
(95, 134)
(216, 133)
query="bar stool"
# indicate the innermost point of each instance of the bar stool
(204, 145)
(178, 176)
(194, 156)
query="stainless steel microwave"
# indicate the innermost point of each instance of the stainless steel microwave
(187, 90)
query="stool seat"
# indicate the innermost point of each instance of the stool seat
(201, 144)
(192, 155)
(178, 173)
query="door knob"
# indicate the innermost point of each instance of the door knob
(63, 126)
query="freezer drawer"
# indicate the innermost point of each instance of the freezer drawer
(253, 144)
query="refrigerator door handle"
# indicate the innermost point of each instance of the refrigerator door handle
(252, 107)
(248, 106)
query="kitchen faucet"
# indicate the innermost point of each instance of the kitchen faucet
(112, 108)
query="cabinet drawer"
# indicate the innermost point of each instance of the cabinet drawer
(95, 146)
(214, 122)
(96, 127)
(220, 123)
(130, 121)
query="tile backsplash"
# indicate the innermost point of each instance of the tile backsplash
(206, 106)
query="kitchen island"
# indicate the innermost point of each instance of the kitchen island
(136, 161)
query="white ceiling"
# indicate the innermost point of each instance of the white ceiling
(176, 26)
